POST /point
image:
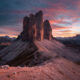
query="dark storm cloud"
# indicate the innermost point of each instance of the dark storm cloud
(13, 10)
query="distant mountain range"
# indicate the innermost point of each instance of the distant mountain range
(4, 39)
(70, 40)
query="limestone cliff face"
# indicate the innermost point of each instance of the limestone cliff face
(47, 30)
(39, 25)
(35, 29)
(29, 28)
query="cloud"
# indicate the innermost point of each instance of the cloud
(63, 14)
(54, 27)
(61, 21)
(63, 33)
(10, 31)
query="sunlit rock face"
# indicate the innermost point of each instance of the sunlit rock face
(47, 30)
(29, 28)
(39, 25)
(35, 29)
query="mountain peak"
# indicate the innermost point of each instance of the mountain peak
(34, 28)
(47, 30)
(39, 13)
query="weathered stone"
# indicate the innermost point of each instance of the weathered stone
(25, 34)
(34, 28)
(39, 24)
(25, 22)
(29, 28)
(47, 30)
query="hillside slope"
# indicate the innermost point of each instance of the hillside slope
(50, 60)
(25, 52)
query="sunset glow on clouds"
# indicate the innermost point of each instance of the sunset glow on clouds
(64, 15)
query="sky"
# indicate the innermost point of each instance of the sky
(64, 16)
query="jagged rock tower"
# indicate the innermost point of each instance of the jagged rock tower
(35, 29)
(29, 50)
(25, 50)
(47, 30)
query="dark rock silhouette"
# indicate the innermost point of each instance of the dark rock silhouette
(39, 25)
(29, 28)
(47, 30)
(35, 29)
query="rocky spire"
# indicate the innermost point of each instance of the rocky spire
(35, 29)
(39, 25)
(29, 28)
(47, 30)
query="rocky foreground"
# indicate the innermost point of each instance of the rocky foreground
(36, 55)
(59, 69)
